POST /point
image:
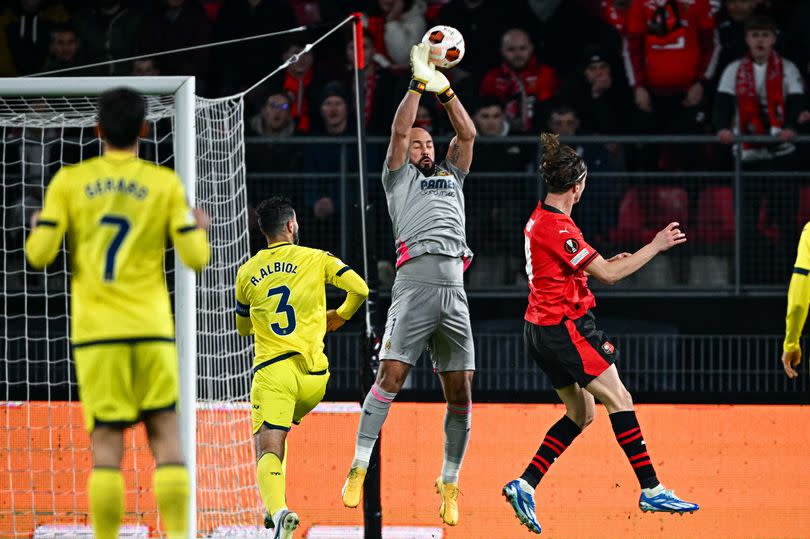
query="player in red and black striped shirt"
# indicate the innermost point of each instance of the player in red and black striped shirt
(561, 334)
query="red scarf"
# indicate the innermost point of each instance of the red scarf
(754, 120)
(297, 88)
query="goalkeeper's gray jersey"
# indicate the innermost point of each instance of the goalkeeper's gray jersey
(427, 213)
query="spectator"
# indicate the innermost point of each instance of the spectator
(496, 207)
(603, 102)
(64, 50)
(521, 82)
(731, 31)
(396, 25)
(322, 195)
(26, 27)
(482, 22)
(108, 30)
(671, 51)
(299, 83)
(274, 121)
(145, 67)
(762, 94)
(597, 217)
(241, 64)
(380, 98)
(178, 24)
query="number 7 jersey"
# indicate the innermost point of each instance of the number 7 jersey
(118, 212)
(281, 293)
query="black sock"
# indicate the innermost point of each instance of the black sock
(557, 439)
(628, 434)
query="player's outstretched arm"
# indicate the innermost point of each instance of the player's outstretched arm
(421, 74)
(611, 272)
(48, 226)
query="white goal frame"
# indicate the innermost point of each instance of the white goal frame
(185, 158)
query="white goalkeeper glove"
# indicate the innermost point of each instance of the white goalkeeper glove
(421, 69)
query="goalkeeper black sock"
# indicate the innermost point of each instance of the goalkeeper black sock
(557, 440)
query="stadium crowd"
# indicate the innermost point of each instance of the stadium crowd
(601, 67)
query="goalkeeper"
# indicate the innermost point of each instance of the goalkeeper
(281, 299)
(798, 300)
(428, 303)
(117, 212)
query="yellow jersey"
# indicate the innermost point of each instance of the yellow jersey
(117, 212)
(798, 293)
(281, 299)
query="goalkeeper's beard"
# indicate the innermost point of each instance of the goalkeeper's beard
(426, 166)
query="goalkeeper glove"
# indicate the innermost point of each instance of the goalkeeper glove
(421, 70)
(439, 85)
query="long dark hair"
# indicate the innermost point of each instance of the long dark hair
(561, 166)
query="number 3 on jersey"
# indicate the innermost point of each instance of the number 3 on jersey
(283, 308)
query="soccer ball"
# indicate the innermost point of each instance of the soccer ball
(446, 46)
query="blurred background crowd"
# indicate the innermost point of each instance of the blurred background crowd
(573, 67)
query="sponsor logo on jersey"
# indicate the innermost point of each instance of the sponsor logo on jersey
(388, 344)
(608, 348)
(571, 246)
(437, 183)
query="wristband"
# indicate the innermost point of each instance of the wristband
(446, 96)
(416, 86)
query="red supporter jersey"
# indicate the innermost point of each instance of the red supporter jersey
(556, 257)
(670, 43)
(520, 91)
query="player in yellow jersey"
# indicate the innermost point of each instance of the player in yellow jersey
(117, 212)
(798, 301)
(281, 300)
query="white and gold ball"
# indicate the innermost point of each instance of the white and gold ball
(446, 46)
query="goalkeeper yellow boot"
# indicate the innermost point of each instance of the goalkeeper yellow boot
(449, 509)
(353, 487)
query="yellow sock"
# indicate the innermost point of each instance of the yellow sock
(171, 486)
(270, 476)
(284, 460)
(106, 492)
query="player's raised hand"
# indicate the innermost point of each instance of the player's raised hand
(669, 237)
(202, 218)
(35, 219)
(333, 320)
(791, 360)
(421, 69)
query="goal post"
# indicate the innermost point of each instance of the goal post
(203, 140)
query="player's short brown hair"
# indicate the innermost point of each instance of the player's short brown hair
(273, 214)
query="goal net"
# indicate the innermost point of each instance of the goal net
(45, 451)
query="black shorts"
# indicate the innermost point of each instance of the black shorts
(573, 351)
